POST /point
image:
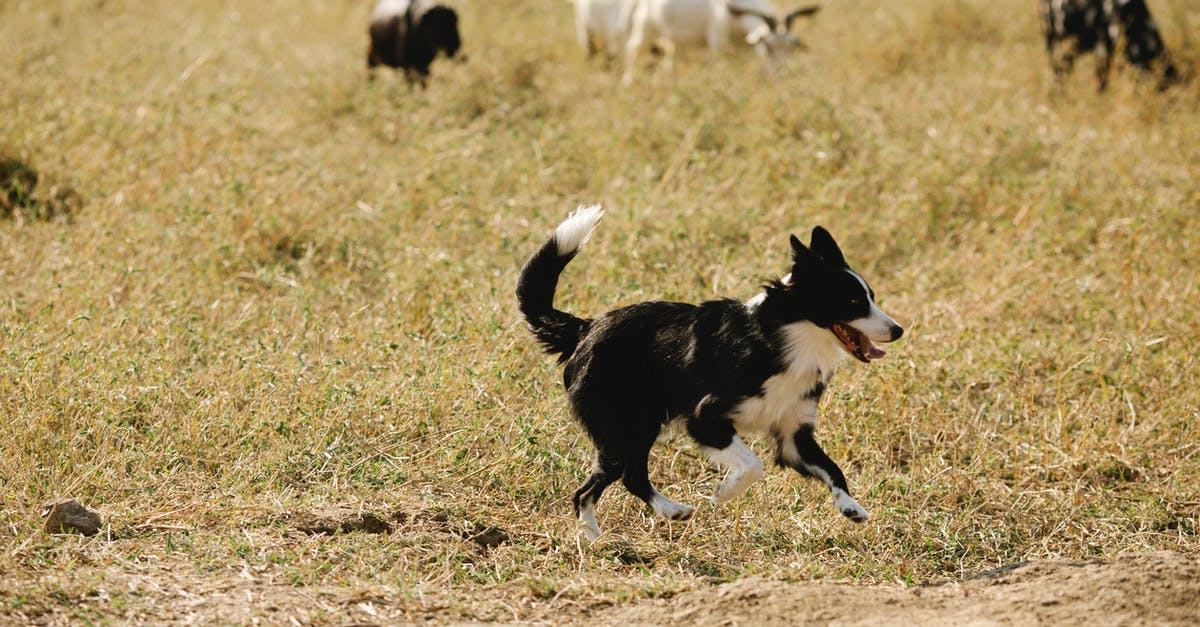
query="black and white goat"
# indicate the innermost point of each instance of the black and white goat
(408, 34)
(668, 24)
(767, 30)
(1098, 25)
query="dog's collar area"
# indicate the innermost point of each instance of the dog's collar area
(856, 343)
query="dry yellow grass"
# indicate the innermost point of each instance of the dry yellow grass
(286, 291)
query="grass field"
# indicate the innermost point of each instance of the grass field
(284, 295)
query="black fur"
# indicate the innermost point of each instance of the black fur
(816, 392)
(1089, 25)
(557, 330)
(411, 40)
(633, 369)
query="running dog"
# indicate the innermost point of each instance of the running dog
(724, 367)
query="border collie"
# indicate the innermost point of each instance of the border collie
(724, 367)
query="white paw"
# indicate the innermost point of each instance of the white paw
(667, 508)
(587, 516)
(744, 469)
(849, 507)
(723, 494)
(736, 485)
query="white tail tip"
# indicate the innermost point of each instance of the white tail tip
(576, 229)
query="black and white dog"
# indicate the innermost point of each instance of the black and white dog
(1087, 25)
(722, 366)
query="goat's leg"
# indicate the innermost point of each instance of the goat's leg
(1104, 60)
(582, 36)
(637, 37)
(667, 45)
(612, 43)
(1061, 61)
(1103, 66)
(715, 35)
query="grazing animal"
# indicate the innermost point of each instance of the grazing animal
(766, 30)
(603, 21)
(408, 35)
(722, 367)
(668, 24)
(1097, 25)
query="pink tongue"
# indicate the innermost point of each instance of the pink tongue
(873, 351)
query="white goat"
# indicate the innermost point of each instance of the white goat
(767, 29)
(670, 23)
(603, 21)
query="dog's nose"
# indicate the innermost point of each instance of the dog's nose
(897, 331)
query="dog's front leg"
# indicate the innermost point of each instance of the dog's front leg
(744, 469)
(799, 451)
(719, 441)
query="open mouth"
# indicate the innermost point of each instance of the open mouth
(856, 343)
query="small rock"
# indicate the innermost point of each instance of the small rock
(68, 516)
(488, 537)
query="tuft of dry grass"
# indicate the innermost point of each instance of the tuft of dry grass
(26, 194)
(288, 291)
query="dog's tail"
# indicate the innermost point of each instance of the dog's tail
(557, 330)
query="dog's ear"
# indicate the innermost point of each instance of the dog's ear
(801, 255)
(823, 245)
(797, 247)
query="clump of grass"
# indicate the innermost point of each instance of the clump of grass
(26, 194)
(17, 184)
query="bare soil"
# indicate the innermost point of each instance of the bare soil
(1159, 588)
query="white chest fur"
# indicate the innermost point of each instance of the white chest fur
(787, 401)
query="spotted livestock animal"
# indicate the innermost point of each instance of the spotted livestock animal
(408, 34)
(1099, 25)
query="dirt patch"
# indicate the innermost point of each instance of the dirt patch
(331, 521)
(26, 194)
(340, 520)
(1147, 589)
(1157, 588)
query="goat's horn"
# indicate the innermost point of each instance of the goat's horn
(801, 12)
(738, 11)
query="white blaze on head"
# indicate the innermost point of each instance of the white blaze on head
(876, 325)
(576, 229)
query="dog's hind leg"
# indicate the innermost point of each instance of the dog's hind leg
(799, 451)
(607, 471)
(712, 429)
(637, 481)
